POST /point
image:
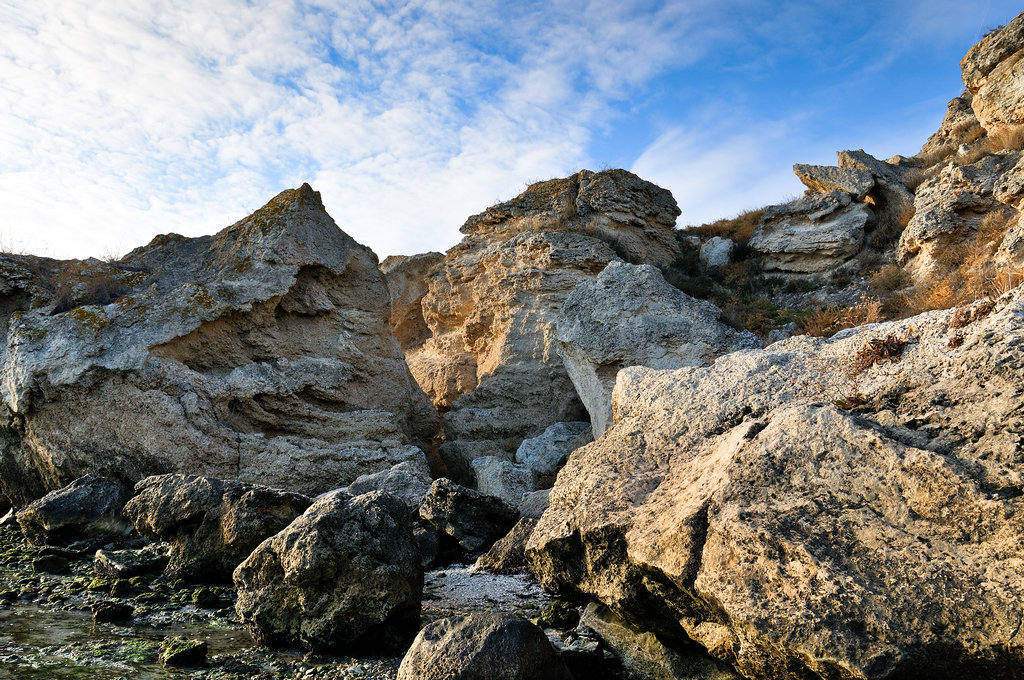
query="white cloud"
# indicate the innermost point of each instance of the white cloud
(122, 121)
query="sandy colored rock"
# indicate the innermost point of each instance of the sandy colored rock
(959, 120)
(211, 524)
(630, 316)
(811, 234)
(263, 353)
(406, 278)
(993, 73)
(794, 537)
(825, 179)
(345, 575)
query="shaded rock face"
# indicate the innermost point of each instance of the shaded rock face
(470, 518)
(545, 454)
(262, 353)
(490, 305)
(482, 646)
(812, 234)
(508, 554)
(630, 316)
(824, 179)
(406, 278)
(90, 508)
(344, 576)
(994, 75)
(211, 525)
(793, 538)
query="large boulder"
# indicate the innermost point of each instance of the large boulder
(822, 508)
(410, 481)
(482, 646)
(89, 509)
(211, 525)
(345, 576)
(468, 517)
(490, 305)
(994, 73)
(262, 353)
(824, 179)
(630, 316)
(811, 234)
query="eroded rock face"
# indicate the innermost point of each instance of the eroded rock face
(482, 646)
(824, 179)
(630, 316)
(470, 518)
(345, 575)
(490, 306)
(993, 72)
(406, 278)
(211, 524)
(90, 508)
(950, 207)
(262, 353)
(812, 234)
(795, 538)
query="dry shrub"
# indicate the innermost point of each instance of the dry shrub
(888, 279)
(828, 321)
(939, 153)
(874, 350)
(964, 316)
(1006, 139)
(915, 177)
(739, 228)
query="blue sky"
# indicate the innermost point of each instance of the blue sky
(119, 121)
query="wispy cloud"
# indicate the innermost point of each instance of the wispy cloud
(123, 121)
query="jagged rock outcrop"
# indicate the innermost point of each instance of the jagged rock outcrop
(345, 576)
(994, 74)
(89, 509)
(211, 524)
(959, 120)
(262, 353)
(811, 234)
(824, 179)
(490, 305)
(508, 554)
(482, 646)
(844, 507)
(630, 316)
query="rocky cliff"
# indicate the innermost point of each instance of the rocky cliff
(262, 353)
(488, 359)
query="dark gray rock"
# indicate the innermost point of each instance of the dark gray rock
(472, 519)
(508, 555)
(88, 508)
(345, 575)
(151, 559)
(211, 524)
(482, 646)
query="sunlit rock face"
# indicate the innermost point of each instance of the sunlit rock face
(262, 353)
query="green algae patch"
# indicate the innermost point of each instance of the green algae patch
(180, 651)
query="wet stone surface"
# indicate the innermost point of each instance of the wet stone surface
(47, 628)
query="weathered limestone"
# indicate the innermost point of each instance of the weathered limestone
(717, 252)
(490, 305)
(508, 554)
(409, 481)
(812, 234)
(993, 73)
(545, 454)
(212, 525)
(262, 353)
(482, 646)
(793, 538)
(824, 179)
(89, 509)
(406, 278)
(345, 575)
(630, 316)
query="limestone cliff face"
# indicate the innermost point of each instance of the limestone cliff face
(261, 353)
(490, 361)
(823, 508)
(994, 74)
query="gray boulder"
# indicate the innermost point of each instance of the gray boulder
(630, 316)
(211, 525)
(546, 453)
(482, 646)
(151, 559)
(814, 233)
(410, 481)
(503, 479)
(717, 252)
(345, 576)
(470, 518)
(262, 353)
(508, 554)
(89, 509)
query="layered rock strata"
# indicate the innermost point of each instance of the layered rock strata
(262, 353)
(845, 507)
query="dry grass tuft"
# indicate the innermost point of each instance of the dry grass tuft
(828, 321)
(874, 350)
(739, 228)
